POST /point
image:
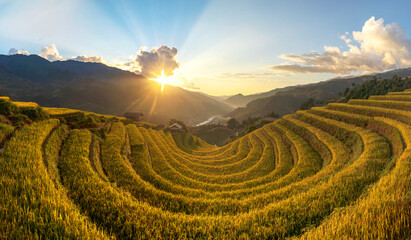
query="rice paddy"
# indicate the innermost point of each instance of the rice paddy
(341, 171)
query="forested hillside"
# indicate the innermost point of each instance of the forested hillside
(290, 99)
(378, 87)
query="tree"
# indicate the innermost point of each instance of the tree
(233, 123)
(273, 114)
(346, 91)
(251, 120)
(376, 86)
(307, 104)
(251, 128)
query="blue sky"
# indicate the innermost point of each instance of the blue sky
(224, 47)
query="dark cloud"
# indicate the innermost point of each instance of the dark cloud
(152, 63)
(85, 58)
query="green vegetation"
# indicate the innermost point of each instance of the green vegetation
(5, 131)
(340, 171)
(378, 87)
(307, 105)
(213, 134)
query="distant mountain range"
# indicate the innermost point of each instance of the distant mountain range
(99, 88)
(240, 100)
(289, 99)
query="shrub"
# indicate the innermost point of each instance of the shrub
(7, 108)
(34, 114)
(19, 120)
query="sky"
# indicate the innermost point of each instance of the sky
(219, 47)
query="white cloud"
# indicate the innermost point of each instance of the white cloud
(187, 84)
(85, 58)
(251, 75)
(14, 51)
(152, 63)
(376, 47)
(50, 53)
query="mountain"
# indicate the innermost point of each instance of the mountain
(237, 100)
(221, 98)
(99, 88)
(34, 68)
(240, 100)
(92, 70)
(288, 100)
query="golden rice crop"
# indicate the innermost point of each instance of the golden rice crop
(406, 98)
(31, 206)
(24, 105)
(406, 106)
(341, 171)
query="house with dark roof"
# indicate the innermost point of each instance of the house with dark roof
(135, 116)
(268, 119)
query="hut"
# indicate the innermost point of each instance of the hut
(268, 120)
(135, 116)
(175, 127)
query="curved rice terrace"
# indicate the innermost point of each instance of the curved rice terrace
(336, 172)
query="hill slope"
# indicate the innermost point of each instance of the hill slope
(378, 87)
(99, 88)
(240, 100)
(288, 100)
(341, 171)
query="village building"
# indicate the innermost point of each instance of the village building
(175, 127)
(135, 116)
(268, 120)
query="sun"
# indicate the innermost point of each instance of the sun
(161, 79)
(172, 80)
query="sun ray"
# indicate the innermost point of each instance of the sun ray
(162, 79)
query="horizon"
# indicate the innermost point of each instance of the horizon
(215, 47)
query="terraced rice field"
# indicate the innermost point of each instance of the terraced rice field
(336, 172)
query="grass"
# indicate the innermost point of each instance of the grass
(31, 207)
(51, 151)
(6, 131)
(400, 93)
(392, 97)
(25, 105)
(4, 99)
(58, 112)
(403, 116)
(400, 105)
(384, 212)
(341, 171)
